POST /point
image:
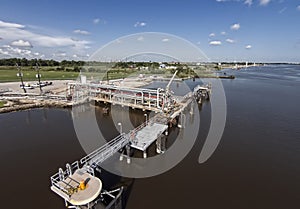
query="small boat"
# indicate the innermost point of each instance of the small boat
(227, 77)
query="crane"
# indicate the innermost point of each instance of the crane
(169, 84)
(168, 100)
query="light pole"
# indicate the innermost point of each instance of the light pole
(20, 74)
(146, 118)
(120, 124)
(38, 75)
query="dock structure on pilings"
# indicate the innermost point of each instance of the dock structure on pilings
(159, 100)
(72, 182)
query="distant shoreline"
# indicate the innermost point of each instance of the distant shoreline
(23, 101)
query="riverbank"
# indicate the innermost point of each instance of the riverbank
(13, 98)
(13, 105)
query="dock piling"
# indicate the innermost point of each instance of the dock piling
(128, 153)
(145, 154)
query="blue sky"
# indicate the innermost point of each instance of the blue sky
(225, 30)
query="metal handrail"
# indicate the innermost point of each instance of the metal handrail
(105, 151)
(64, 174)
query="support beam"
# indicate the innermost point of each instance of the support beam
(128, 154)
(163, 144)
(181, 123)
(145, 154)
(158, 145)
(192, 108)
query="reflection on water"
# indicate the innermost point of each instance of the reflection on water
(256, 165)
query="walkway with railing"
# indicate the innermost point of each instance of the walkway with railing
(139, 138)
(104, 152)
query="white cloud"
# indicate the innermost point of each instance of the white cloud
(21, 51)
(17, 52)
(15, 33)
(79, 56)
(226, 0)
(96, 20)
(48, 41)
(248, 2)
(230, 41)
(21, 43)
(215, 43)
(282, 10)
(82, 32)
(140, 24)
(229, 0)
(10, 25)
(4, 52)
(118, 41)
(165, 40)
(212, 35)
(223, 33)
(18, 38)
(248, 46)
(59, 54)
(298, 8)
(141, 38)
(264, 2)
(235, 26)
(36, 54)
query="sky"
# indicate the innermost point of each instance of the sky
(224, 30)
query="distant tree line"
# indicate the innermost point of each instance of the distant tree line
(64, 65)
(136, 64)
(41, 62)
(94, 66)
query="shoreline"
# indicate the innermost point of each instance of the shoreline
(25, 104)
(23, 101)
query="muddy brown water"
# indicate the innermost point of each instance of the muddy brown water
(256, 164)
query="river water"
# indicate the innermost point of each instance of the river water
(256, 164)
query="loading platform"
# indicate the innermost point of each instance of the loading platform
(78, 185)
(147, 135)
(79, 188)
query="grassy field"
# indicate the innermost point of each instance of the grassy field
(9, 75)
(2, 103)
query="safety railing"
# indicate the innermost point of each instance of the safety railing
(105, 151)
(59, 179)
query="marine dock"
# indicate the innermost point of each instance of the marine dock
(79, 179)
